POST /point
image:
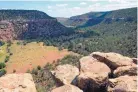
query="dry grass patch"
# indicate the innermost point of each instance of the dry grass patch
(3, 52)
(31, 55)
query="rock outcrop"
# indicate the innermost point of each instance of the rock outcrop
(93, 74)
(66, 74)
(67, 88)
(113, 60)
(123, 84)
(126, 70)
(99, 72)
(17, 83)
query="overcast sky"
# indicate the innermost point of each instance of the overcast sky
(68, 8)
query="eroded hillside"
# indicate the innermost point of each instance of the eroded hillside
(28, 24)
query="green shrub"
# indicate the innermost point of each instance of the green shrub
(7, 59)
(18, 43)
(2, 72)
(60, 48)
(49, 66)
(69, 59)
(34, 71)
(9, 43)
(39, 67)
(2, 65)
(11, 54)
(44, 80)
(24, 42)
(28, 71)
(2, 43)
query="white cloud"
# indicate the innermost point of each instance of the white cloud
(118, 6)
(61, 11)
(94, 0)
(96, 5)
(49, 10)
(61, 5)
(49, 7)
(83, 3)
(76, 8)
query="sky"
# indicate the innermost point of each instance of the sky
(68, 8)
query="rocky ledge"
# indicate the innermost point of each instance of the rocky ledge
(98, 72)
(17, 83)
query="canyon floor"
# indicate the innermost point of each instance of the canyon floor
(29, 56)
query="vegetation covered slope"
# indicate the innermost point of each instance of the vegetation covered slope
(80, 20)
(116, 32)
(93, 18)
(28, 24)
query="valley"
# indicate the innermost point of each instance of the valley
(84, 51)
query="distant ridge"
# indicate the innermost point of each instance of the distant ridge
(98, 17)
(23, 14)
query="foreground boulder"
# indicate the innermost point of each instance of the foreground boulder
(123, 84)
(67, 88)
(93, 75)
(125, 70)
(17, 83)
(66, 74)
(113, 60)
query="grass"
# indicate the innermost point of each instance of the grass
(31, 55)
(3, 52)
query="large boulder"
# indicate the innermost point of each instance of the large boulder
(123, 84)
(125, 70)
(93, 74)
(113, 60)
(67, 88)
(17, 83)
(66, 74)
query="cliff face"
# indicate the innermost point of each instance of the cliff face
(6, 30)
(28, 24)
